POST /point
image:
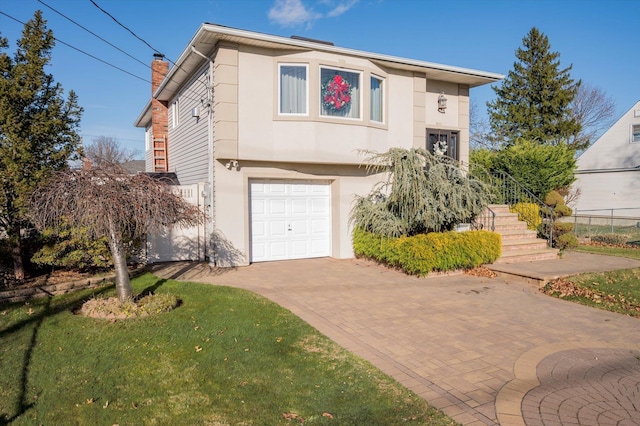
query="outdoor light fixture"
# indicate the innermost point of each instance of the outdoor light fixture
(442, 102)
(232, 164)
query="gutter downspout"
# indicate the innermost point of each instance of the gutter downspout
(211, 160)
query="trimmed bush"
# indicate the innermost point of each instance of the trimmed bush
(528, 212)
(566, 241)
(436, 251)
(615, 239)
(555, 200)
(563, 236)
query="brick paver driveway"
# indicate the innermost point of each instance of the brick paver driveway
(485, 351)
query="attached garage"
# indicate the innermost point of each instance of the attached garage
(289, 219)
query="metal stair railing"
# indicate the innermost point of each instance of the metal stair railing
(505, 189)
(486, 220)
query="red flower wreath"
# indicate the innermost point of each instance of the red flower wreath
(336, 94)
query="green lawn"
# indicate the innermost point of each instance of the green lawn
(224, 357)
(631, 252)
(616, 291)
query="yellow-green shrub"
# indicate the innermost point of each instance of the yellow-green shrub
(528, 212)
(436, 251)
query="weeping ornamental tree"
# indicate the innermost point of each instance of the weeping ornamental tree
(420, 193)
(109, 202)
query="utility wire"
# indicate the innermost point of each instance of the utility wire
(145, 42)
(94, 34)
(82, 51)
(107, 63)
(123, 26)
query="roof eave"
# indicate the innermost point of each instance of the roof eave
(208, 35)
(144, 118)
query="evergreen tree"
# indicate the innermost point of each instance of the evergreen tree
(38, 129)
(534, 100)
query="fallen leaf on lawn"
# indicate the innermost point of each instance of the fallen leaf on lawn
(90, 401)
(106, 404)
(328, 415)
(198, 348)
(279, 339)
(3, 313)
(30, 311)
(290, 416)
(246, 349)
(134, 405)
(221, 332)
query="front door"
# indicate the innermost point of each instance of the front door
(443, 142)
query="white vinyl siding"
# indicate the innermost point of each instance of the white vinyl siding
(188, 145)
(293, 92)
(352, 109)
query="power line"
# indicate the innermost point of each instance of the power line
(82, 51)
(123, 26)
(134, 34)
(118, 68)
(145, 42)
(94, 34)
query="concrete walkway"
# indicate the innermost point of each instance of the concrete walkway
(485, 351)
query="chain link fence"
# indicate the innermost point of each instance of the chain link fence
(595, 222)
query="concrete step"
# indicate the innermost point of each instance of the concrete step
(515, 226)
(518, 234)
(510, 246)
(506, 217)
(499, 208)
(527, 256)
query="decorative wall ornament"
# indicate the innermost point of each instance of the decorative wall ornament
(336, 94)
(440, 148)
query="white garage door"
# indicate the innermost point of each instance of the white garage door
(290, 219)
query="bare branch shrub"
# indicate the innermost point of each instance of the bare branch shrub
(105, 151)
(107, 201)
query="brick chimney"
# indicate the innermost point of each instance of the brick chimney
(159, 116)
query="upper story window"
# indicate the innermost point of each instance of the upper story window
(635, 133)
(293, 89)
(147, 138)
(339, 93)
(175, 113)
(377, 99)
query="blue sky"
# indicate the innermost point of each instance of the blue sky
(600, 39)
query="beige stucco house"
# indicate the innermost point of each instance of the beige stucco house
(608, 173)
(270, 131)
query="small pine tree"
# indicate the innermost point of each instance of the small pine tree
(534, 100)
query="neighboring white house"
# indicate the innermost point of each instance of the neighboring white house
(272, 130)
(608, 173)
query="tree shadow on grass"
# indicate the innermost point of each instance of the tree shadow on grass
(150, 289)
(69, 303)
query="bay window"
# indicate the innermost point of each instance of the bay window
(377, 99)
(339, 93)
(293, 89)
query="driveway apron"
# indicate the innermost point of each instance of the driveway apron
(485, 351)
